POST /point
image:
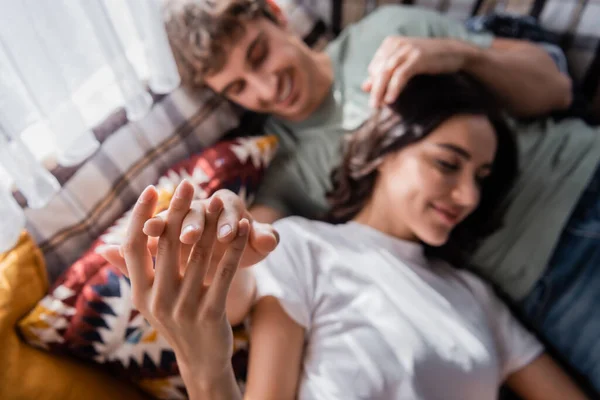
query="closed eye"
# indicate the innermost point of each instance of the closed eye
(236, 88)
(447, 166)
(259, 53)
(482, 178)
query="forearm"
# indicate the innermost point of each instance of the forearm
(222, 387)
(241, 293)
(543, 379)
(275, 354)
(240, 296)
(522, 75)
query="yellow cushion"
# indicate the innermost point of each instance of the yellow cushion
(25, 372)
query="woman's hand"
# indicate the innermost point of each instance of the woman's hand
(171, 294)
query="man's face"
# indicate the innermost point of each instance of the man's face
(270, 70)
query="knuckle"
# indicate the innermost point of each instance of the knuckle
(198, 205)
(233, 202)
(238, 247)
(398, 75)
(223, 193)
(129, 246)
(164, 244)
(159, 310)
(182, 313)
(178, 204)
(199, 255)
(409, 48)
(228, 270)
(211, 313)
(139, 212)
(390, 66)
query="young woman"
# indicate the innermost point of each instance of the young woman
(375, 306)
(378, 307)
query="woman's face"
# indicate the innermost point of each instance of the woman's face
(429, 187)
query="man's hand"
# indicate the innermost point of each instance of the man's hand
(400, 58)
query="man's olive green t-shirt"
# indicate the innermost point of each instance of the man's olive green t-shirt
(557, 159)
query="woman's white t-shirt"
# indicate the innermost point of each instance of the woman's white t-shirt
(383, 322)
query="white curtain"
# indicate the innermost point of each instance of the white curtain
(64, 66)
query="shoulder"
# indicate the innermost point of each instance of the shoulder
(298, 228)
(309, 239)
(398, 15)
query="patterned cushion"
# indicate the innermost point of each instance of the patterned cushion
(88, 312)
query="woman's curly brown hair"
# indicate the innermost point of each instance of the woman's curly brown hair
(200, 31)
(425, 103)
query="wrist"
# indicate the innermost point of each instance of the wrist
(473, 56)
(220, 386)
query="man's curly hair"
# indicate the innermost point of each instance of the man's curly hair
(200, 32)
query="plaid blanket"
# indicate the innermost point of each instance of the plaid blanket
(132, 156)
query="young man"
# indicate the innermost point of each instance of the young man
(239, 49)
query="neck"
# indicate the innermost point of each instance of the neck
(377, 217)
(323, 79)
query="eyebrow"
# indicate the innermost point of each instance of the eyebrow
(456, 149)
(461, 152)
(249, 52)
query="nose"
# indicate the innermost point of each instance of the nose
(264, 85)
(466, 193)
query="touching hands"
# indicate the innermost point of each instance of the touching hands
(399, 58)
(172, 292)
(262, 238)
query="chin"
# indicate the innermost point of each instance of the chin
(435, 239)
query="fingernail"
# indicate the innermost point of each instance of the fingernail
(102, 248)
(180, 189)
(224, 230)
(189, 228)
(146, 194)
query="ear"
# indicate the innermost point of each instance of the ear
(277, 12)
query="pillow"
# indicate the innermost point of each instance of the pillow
(26, 372)
(88, 313)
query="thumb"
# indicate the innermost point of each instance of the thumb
(112, 254)
(263, 238)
